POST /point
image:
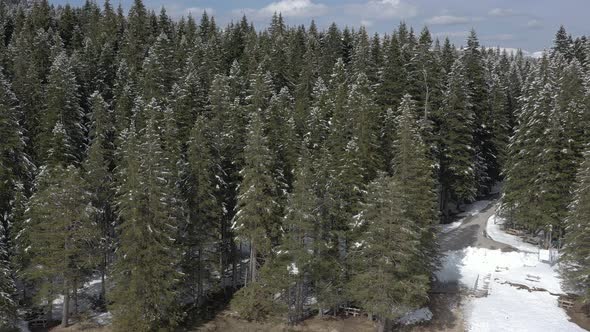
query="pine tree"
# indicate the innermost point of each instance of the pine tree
(365, 128)
(158, 76)
(62, 234)
(520, 201)
(393, 77)
(8, 305)
(291, 272)
(63, 106)
(385, 281)
(15, 164)
(413, 173)
(202, 231)
(256, 220)
(280, 131)
(500, 115)
(562, 43)
(574, 259)
(457, 172)
(475, 82)
(146, 274)
(125, 93)
(99, 179)
(188, 100)
(136, 36)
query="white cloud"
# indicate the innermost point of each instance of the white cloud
(502, 12)
(199, 10)
(176, 11)
(366, 23)
(451, 20)
(534, 24)
(382, 9)
(452, 34)
(287, 8)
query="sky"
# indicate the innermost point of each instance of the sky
(529, 25)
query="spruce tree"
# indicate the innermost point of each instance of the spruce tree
(522, 188)
(457, 168)
(146, 274)
(158, 76)
(574, 259)
(63, 106)
(384, 281)
(99, 180)
(280, 130)
(256, 220)
(8, 305)
(365, 127)
(202, 230)
(291, 272)
(137, 36)
(485, 159)
(61, 234)
(413, 173)
(16, 166)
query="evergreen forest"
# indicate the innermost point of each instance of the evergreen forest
(285, 170)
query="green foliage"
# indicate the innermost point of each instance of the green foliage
(197, 143)
(204, 224)
(8, 305)
(386, 281)
(413, 173)
(61, 232)
(63, 116)
(257, 220)
(457, 174)
(253, 303)
(146, 273)
(574, 261)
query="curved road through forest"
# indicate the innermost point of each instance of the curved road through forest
(471, 233)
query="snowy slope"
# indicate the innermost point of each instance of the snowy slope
(522, 291)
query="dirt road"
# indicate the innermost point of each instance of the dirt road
(471, 233)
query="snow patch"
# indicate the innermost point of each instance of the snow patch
(293, 269)
(509, 309)
(103, 319)
(451, 227)
(496, 233)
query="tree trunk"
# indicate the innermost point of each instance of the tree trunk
(50, 310)
(383, 324)
(103, 287)
(235, 262)
(253, 262)
(65, 317)
(199, 277)
(75, 297)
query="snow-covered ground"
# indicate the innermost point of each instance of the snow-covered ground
(495, 232)
(89, 290)
(522, 291)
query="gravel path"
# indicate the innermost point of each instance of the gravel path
(471, 233)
